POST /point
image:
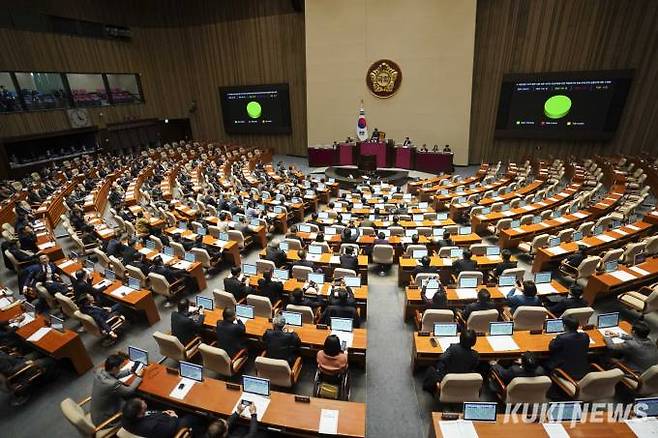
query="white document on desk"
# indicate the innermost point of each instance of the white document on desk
(4, 302)
(36, 336)
(328, 421)
(633, 227)
(103, 283)
(259, 401)
(621, 232)
(457, 429)
(447, 341)
(556, 250)
(446, 261)
(144, 251)
(335, 260)
(561, 219)
(313, 257)
(183, 264)
(527, 207)
(579, 215)
(643, 427)
(27, 318)
(346, 337)
(66, 264)
(545, 288)
(166, 258)
(518, 230)
(46, 245)
(121, 291)
(467, 293)
(639, 270)
(180, 393)
(614, 330)
(555, 430)
(507, 213)
(605, 238)
(502, 343)
(622, 275)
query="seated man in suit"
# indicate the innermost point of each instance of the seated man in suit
(439, 300)
(236, 287)
(107, 391)
(169, 274)
(342, 308)
(465, 263)
(185, 325)
(297, 298)
(302, 259)
(221, 428)
(11, 364)
(484, 302)
(128, 252)
(280, 344)
(568, 350)
(527, 298)
(82, 287)
(571, 263)
(573, 301)
(528, 367)
(350, 234)
(275, 254)
(269, 288)
(445, 240)
(28, 239)
(458, 358)
(349, 260)
(637, 351)
(44, 267)
(230, 333)
(506, 255)
(423, 268)
(137, 420)
(88, 306)
(141, 264)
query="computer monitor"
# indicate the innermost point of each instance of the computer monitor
(576, 236)
(315, 249)
(486, 210)
(133, 283)
(206, 303)
(316, 277)
(74, 255)
(341, 324)
(89, 264)
(552, 326)
(138, 355)
(607, 320)
(536, 219)
(255, 222)
(573, 209)
(385, 232)
(150, 245)
(352, 281)
(191, 371)
(419, 253)
(431, 283)
(418, 217)
(168, 250)
(505, 207)
(543, 277)
(292, 318)
(553, 242)
(639, 258)
(464, 231)
(190, 257)
(647, 406)
(182, 225)
(248, 269)
(347, 216)
(256, 385)
(615, 224)
(410, 233)
(244, 311)
(493, 251)
(223, 236)
(515, 223)
(502, 328)
(564, 411)
(456, 252)
(438, 232)
(304, 228)
(480, 411)
(611, 265)
(507, 280)
(56, 323)
(445, 329)
(201, 231)
(310, 193)
(283, 246)
(557, 213)
(441, 216)
(278, 210)
(281, 274)
(423, 205)
(330, 231)
(110, 275)
(468, 282)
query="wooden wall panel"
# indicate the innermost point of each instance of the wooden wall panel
(520, 36)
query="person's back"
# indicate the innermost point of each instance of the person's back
(527, 368)
(233, 285)
(637, 351)
(182, 325)
(573, 301)
(527, 298)
(460, 357)
(230, 333)
(506, 263)
(569, 350)
(107, 391)
(279, 344)
(349, 261)
(484, 302)
(270, 289)
(465, 264)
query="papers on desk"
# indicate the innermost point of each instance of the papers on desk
(622, 275)
(518, 230)
(312, 235)
(556, 250)
(144, 251)
(346, 337)
(4, 302)
(220, 243)
(579, 215)
(555, 430)
(103, 283)
(328, 421)
(313, 257)
(36, 336)
(639, 270)
(447, 261)
(447, 341)
(121, 291)
(643, 427)
(457, 429)
(542, 203)
(335, 259)
(545, 288)
(613, 330)
(481, 217)
(183, 264)
(605, 237)
(27, 318)
(127, 367)
(502, 343)
(180, 393)
(467, 293)
(508, 213)
(259, 401)
(552, 199)
(527, 207)
(177, 230)
(46, 245)
(561, 220)
(66, 264)
(633, 227)
(620, 232)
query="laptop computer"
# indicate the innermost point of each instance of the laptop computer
(315, 277)
(480, 411)
(248, 269)
(138, 355)
(607, 320)
(456, 252)
(464, 231)
(56, 323)
(543, 277)
(133, 283)
(418, 253)
(192, 371)
(244, 311)
(564, 411)
(281, 274)
(292, 318)
(468, 282)
(352, 281)
(552, 326)
(256, 385)
(507, 280)
(283, 246)
(445, 329)
(206, 303)
(493, 251)
(501, 328)
(611, 266)
(341, 324)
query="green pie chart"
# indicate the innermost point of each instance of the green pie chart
(557, 106)
(254, 109)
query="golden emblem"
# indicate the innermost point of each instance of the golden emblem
(384, 78)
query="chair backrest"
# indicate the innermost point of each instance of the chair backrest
(651, 302)
(68, 306)
(651, 245)
(179, 249)
(587, 267)
(224, 299)
(201, 255)
(648, 384)
(216, 359)
(301, 272)
(396, 231)
(307, 313)
(88, 323)
(236, 236)
(157, 242)
(324, 245)
(528, 389)
(12, 259)
(462, 387)
(103, 259)
(293, 244)
(411, 248)
(471, 274)
(342, 272)
(118, 267)
(276, 370)
(444, 251)
(586, 228)
(479, 320)
(529, 317)
(612, 254)
(517, 272)
(263, 265)
(479, 249)
(582, 314)
(383, 253)
(77, 417)
(354, 247)
(432, 316)
(123, 433)
(169, 346)
(262, 305)
(599, 385)
(565, 235)
(424, 276)
(159, 284)
(632, 249)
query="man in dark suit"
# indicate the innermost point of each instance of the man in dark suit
(82, 287)
(349, 260)
(424, 268)
(275, 254)
(465, 263)
(297, 298)
(185, 325)
(445, 240)
(302, 259)
(573, 301)
(44, 270)
(230, 333)
(458, 358)
(234, 286)
(571, 263)
(568, 350)
(128, 252)
(637, 351)
(483, 302)
(159, 268)
(527, 298)
(269, 288)
(140, 263)
(137, 420)
(341, 308)
(506, 255)
(381, 239)
(280, 344)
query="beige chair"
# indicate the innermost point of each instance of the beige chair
(643, 301)
(538, 242)
(18, 266)
(645, 384)
(137, 273)
(224, 300)
(263, 265)
(446, 250)
(342, 272)
(301, 272)
(202, 256)
(383, 255)
(238, 237)
(103, 259)
(43, 293)
(479, 249)
(632, 249)
(323, 245)
(471, 274)
(217, 360)
(115, 322)
(425, 323)
(522, 389)
(411, 248)
(354, 246)
(596, 385)
(459, 388)
(308, 317)
(179, 249)
(157, 242)
(118, 267)
(479, 320)
(161, 286)
(172, 348)
(278, 371)
(517, 272)
(262, 305)
(81, 420)
(529, 317)
(651, 245)
(422, 276)
(610, 255)
(586, 269)
(582, 314)
(293, 244)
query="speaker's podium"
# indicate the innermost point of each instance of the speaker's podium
(368, 163)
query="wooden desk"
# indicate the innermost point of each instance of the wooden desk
(325, 261)
(425, 354)
(605, 284)
(360, 293)
(408, 264)
(283, 413)
(195, 270)
(230, 250)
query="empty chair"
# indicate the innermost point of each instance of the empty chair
(262, 305)
(263, 265)
(643, 301)
(645, 384)
(459, 388)
(596, 385)
(632, 249)
(294, 244)
(517, 272)
(238, 237)
(178, 248)
(565, 235)
(170, 347)
(156, 242)
(446, 250)
(539, 241)
(586, 228)
(342, 272)
(651, 245)
(134, 272)
(217, 360)
(529, 318)
(161, 286)
(611, 254)
(420, 277)
(223, 299)
(479, 320)
(523, 389)
(479, 249)
(432, 316)
(202, 256)
(323, 245)
(411, 248)
(81, 420)
(278, 371)
(103, 259)
(118, 267)
(396, 231)
(301, 272)
(582, 314)
(383, 255)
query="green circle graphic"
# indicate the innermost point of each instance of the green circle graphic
(557, 106)
(254, 109)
